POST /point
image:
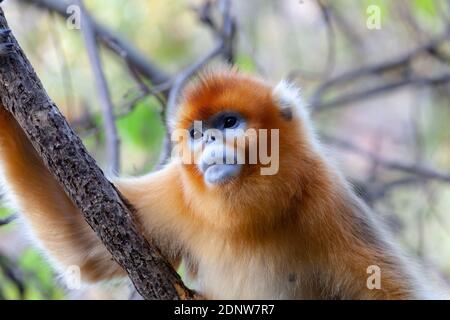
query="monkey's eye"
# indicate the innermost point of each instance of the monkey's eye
(230, 122)
(195, 134)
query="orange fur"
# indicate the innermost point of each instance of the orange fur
(53, 218)
(301, 233)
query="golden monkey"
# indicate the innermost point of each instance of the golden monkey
(298, 233)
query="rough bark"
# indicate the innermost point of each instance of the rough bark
(103, 207)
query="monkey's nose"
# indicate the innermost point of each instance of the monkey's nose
(210, 138)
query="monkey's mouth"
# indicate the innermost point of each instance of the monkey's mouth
(220, 173)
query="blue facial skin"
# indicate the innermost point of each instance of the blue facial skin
(213, 164)
(220, 173)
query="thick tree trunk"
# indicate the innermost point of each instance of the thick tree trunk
(103, 207)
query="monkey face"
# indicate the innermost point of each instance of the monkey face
(231, 126)
(215, 144)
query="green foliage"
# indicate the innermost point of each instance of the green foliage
(427, 13)
(4, 212)
(425, 7)
(434, 123)
(245, 63)
(40, 282)
(35, 275)
(142, 128)
(382, 4)
(141, 133)
(8, 289)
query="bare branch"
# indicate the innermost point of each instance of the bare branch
(144, 91)
(423, 172)
(223, 46)
(14, 274)
(399, 63)
(175, 91)
(111, 40)
(112, 138)
(353, 97)
(185, 75)
(330, 61)
(8, 220)
(65, 71)
(347, 29)
(378, 192)
(224, 38)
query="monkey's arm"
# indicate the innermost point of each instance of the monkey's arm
(52, 217)
(160, 207)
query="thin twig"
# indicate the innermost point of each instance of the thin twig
(423, 172)
(14, 274)
(222, 46)
(330, 61)
(400, 62)
(111, 40)
(185, 75)
(347, 29)
(144, 91)
(65, 70)
(7, 220)
(376, 193)
(364, 94)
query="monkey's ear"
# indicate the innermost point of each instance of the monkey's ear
(287, 97)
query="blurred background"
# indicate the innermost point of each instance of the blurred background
(375, 74)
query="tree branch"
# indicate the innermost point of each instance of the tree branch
(223, 43)
(7, 220)
(399, 63)
(104, 208)
(418, 170)
(112, 138)
(111, 41)
(393, 85)
(223, 47)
